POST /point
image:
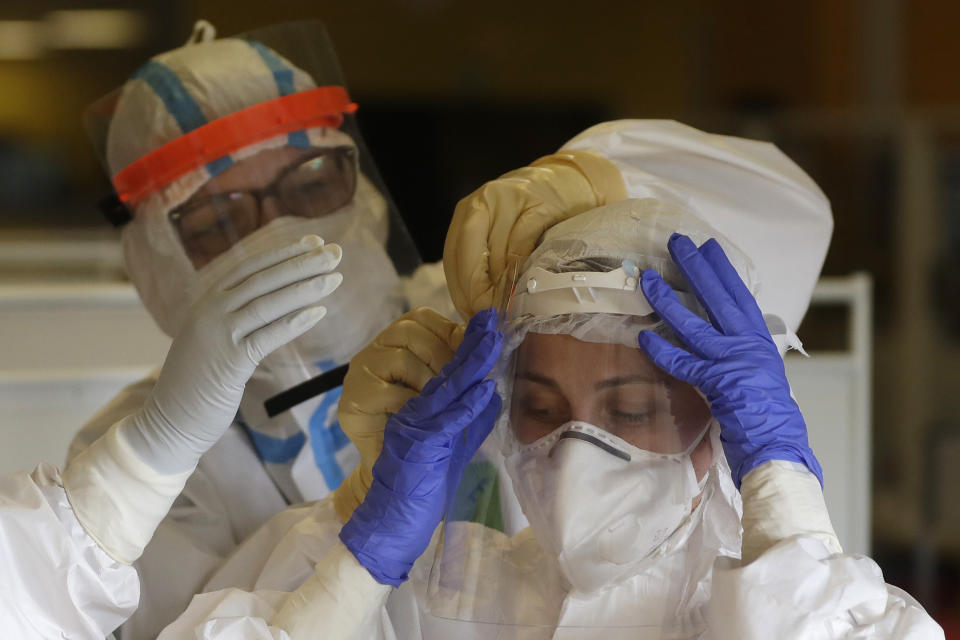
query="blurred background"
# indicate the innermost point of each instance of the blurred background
(862, 94)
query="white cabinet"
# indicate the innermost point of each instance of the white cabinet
(65, 350)
(833, 390)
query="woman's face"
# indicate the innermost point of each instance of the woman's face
(560, 379)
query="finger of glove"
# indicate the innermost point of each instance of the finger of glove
(456, 337)
(371, 411)
(697, 333)
(480, 325)
(267, 308)
(375, 373)
(714, 255)
(411, 336)
(268, 339)
(467, 444)
(711, 293)
(266, 259)
(299, 267)
(480, 428)
(466, 409)
(433, 439)
(441, 326)
(678, 363)
(477, 365)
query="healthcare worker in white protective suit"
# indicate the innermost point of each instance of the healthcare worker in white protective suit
(648, 278)
(219, 150)
(68, 542)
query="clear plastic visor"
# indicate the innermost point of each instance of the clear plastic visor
(489, 572)
(559, 379)
(223, 136)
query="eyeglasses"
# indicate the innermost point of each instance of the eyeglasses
(319, 185)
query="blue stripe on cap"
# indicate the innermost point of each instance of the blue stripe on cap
(219, 165)
(283, 76)
(298, 139)
(277, 450)
(179, 103)
(174, 95)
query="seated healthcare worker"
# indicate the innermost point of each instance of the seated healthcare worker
(630, 301)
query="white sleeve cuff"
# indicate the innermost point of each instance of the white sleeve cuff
(340, 599)
(117, 498)
(780, 500)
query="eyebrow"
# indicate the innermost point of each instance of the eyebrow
(603, 384)
(622, 380)
(539, 379)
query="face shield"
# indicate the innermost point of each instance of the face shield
(225, 148)
(613, 462)
(558, 380)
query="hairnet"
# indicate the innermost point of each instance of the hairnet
(749, 191)
(632, 232)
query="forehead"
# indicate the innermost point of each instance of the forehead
(257, 170)
(560, 356)
(261, 167)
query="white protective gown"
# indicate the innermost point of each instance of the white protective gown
(796, 589)
(58, 583)
(227, 498)
(795, 586)
(55, 582)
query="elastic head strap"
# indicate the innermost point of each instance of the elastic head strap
(319, 107)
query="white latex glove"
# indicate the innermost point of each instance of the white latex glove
(268, 301)
(123, 484)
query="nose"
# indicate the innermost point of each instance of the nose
(585, 413)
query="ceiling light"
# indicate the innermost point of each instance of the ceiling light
(95, 29)
(21, 39)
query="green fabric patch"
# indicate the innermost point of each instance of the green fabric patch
(478, 496)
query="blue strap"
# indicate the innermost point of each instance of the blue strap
(179, 103)
(326, 436)
(283, 76)
(326, 439)
(277, 450)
